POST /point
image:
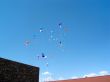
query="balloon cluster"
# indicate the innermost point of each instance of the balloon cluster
(52, 37)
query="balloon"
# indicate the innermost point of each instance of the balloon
(43, 55)
(27, 43)
(41, 29)
(66, 29)
(60, 42)
(47, 64)
(60, 25)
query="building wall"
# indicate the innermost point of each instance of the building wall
(11, 71)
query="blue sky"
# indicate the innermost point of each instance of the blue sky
(86, 44)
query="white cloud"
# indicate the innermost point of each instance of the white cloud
(46, 73)
(61, 78)
(49, 78)
(46, 79)
(74, 77)
(103, 73)
(90, 75)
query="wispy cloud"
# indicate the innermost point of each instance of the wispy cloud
(74, 77)
(101, 73)
(61, 78)
(47, 76)
(104, 72)
(46, 73)
(90, 75)
(46, 79)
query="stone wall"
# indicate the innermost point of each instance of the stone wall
(11, 71)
